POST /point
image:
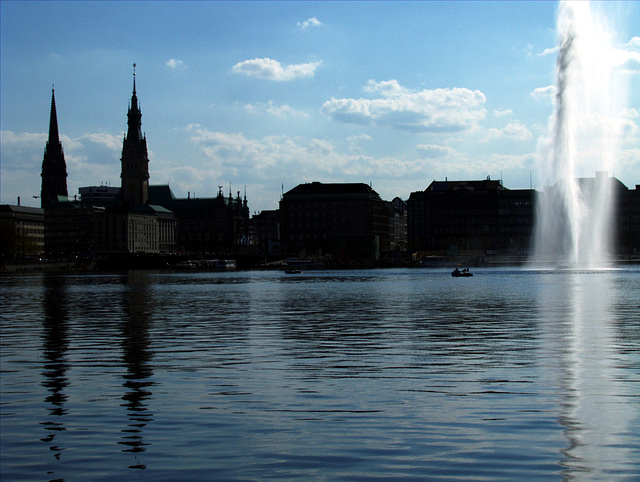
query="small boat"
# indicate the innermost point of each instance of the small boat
(292, 271)
(461, 273)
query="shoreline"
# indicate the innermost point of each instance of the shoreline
(155, 263)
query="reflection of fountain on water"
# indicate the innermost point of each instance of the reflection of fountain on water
(581, 329)
(574, 215)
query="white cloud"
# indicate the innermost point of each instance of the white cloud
(628, 61)
(513, 130)
(438, 110)
(310, 22)
(354, 141)
(386, 88)
(274, 110)
(550, 51)
(502, 113)
(109, 141)
(176, 64)
(272, 157)
(634, 43)
(270, 69)
(547, 92)
(434, 151)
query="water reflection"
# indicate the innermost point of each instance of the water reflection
(335, 375)
(55, 342)
(137, 357)
(580, 316)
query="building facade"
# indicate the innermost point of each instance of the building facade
(70, 230)
(341, 220)
(470, 218)
(630, 223)
(21, 232)
(99, 195)
(266, 229)
(397, 225)
(144, 230)
(206, 226)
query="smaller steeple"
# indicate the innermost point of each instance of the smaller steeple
(134, 97)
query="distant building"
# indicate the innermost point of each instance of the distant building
(629, 233)
(21, 232)
(470, 218)
(205, 226)
(143, 230)
(341, 220)
(266, 227)
(397, 225)
(70, 229)
(135, 217)
(625, 218)
(99, 195)
(106, 220)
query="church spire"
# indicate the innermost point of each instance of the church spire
(54, 135)
(54, 167)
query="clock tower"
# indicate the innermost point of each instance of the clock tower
(135, 160)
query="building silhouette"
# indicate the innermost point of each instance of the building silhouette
(135, 158)
(332, 221)
(206, 226)
(54, 167)
(266, 230)
(99, 195)
(480, 218)
(136, 218)
(476, 217)
(347, 220)
(21, 232)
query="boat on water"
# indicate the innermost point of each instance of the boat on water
(461, 273)
(292, 271)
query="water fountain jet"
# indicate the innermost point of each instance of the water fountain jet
(574, 213)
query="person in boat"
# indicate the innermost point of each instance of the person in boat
(456, 271)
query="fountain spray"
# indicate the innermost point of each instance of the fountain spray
(575, 211)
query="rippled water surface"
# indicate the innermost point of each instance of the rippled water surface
(328, 375)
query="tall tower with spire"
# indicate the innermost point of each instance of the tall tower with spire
(135, 160)
(54, 167)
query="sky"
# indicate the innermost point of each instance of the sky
(259, 97)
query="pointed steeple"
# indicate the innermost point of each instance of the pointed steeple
(54, 167)
(135, 159)
(134, 132)
(54, 136)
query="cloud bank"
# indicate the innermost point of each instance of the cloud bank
(438, 110)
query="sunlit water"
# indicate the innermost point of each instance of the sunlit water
(340, 375)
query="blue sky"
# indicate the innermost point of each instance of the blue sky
(273, 94)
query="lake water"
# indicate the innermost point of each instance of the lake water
(327, 375)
